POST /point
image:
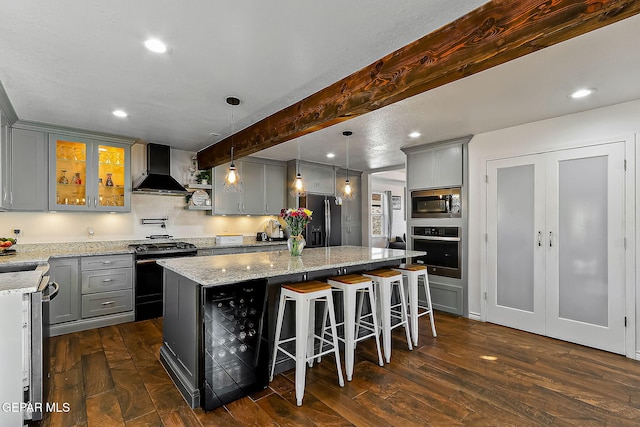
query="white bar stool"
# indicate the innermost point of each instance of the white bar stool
(305, 295)
(351, 285)
(413, 273)
(384, 281)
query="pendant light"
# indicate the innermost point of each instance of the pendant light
(232, 182)
(297, 188)
(347, 191)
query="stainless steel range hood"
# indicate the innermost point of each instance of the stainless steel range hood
(159, 179)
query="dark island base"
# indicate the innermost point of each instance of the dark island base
(218, 340)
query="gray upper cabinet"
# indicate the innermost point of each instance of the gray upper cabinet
(89, 174)
(253, 196)
(318, 178)
(263, 188)
(434, 167)
(351, 209)
(275, 178)
(224, 203)
(28, 171)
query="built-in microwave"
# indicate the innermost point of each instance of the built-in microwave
(439, 203)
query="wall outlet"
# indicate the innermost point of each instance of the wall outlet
(17, 232)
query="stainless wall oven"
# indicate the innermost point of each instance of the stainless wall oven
(438, 203)
(443, 248)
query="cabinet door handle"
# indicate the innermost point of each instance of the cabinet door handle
(107, 280)
(95, 202)
(106, 262)
(550, 244)
(539, 238)
(108, 302)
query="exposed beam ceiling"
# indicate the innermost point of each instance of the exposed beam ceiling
(493, 34)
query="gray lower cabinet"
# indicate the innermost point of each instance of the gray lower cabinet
(107, 284)
(352, 235)
(182, 345)
(104, 303)
(94, 291)
(65, 307)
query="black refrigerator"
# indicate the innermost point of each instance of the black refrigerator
(325, 229)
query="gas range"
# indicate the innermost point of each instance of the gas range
(163, 248)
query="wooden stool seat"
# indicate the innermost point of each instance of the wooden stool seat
(350, 279)
(412, 267)
(306, 287)
(384, 273)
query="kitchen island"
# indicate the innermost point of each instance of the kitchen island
(219, 314)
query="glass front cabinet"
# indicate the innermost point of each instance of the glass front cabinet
(88, 175)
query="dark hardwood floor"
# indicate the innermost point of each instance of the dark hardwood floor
(473, 373)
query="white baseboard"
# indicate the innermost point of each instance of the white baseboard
(475, 316)
(637, 355)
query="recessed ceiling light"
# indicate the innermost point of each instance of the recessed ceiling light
(581, 93)
(156, 46)
(120, 113)
(330, 155)
(414, 134)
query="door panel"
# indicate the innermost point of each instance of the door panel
(516, 290)
(585, 261)
(555, 251)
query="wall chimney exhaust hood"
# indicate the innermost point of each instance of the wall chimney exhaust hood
(159, 179)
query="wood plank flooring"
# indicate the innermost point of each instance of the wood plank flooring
(473, 373)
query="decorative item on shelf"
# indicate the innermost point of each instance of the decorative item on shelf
(204, 177)
(347, 191)
(63, 179)
(109, 181)
(76, 179)
(193, 167)
(100, 183)
(232, 182)
(199, 198)
(297, 220)
(297, 189)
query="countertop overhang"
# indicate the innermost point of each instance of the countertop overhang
(220, 270)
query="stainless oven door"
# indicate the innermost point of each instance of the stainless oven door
(443, 255)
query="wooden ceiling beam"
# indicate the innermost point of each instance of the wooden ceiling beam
(495, 33)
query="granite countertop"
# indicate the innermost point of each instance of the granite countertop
(22, 282)
(226, 269)
(39, 254)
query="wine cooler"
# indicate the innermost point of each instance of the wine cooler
(236, 353)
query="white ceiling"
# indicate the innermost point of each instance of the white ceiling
(71, 63)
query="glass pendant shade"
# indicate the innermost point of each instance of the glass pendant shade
(297, 188)
(232, 182)
(347, 190)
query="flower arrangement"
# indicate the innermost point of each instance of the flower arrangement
(296, 220)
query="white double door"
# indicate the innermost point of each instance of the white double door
(555, 245)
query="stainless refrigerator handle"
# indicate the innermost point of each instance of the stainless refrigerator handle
(327, 221)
